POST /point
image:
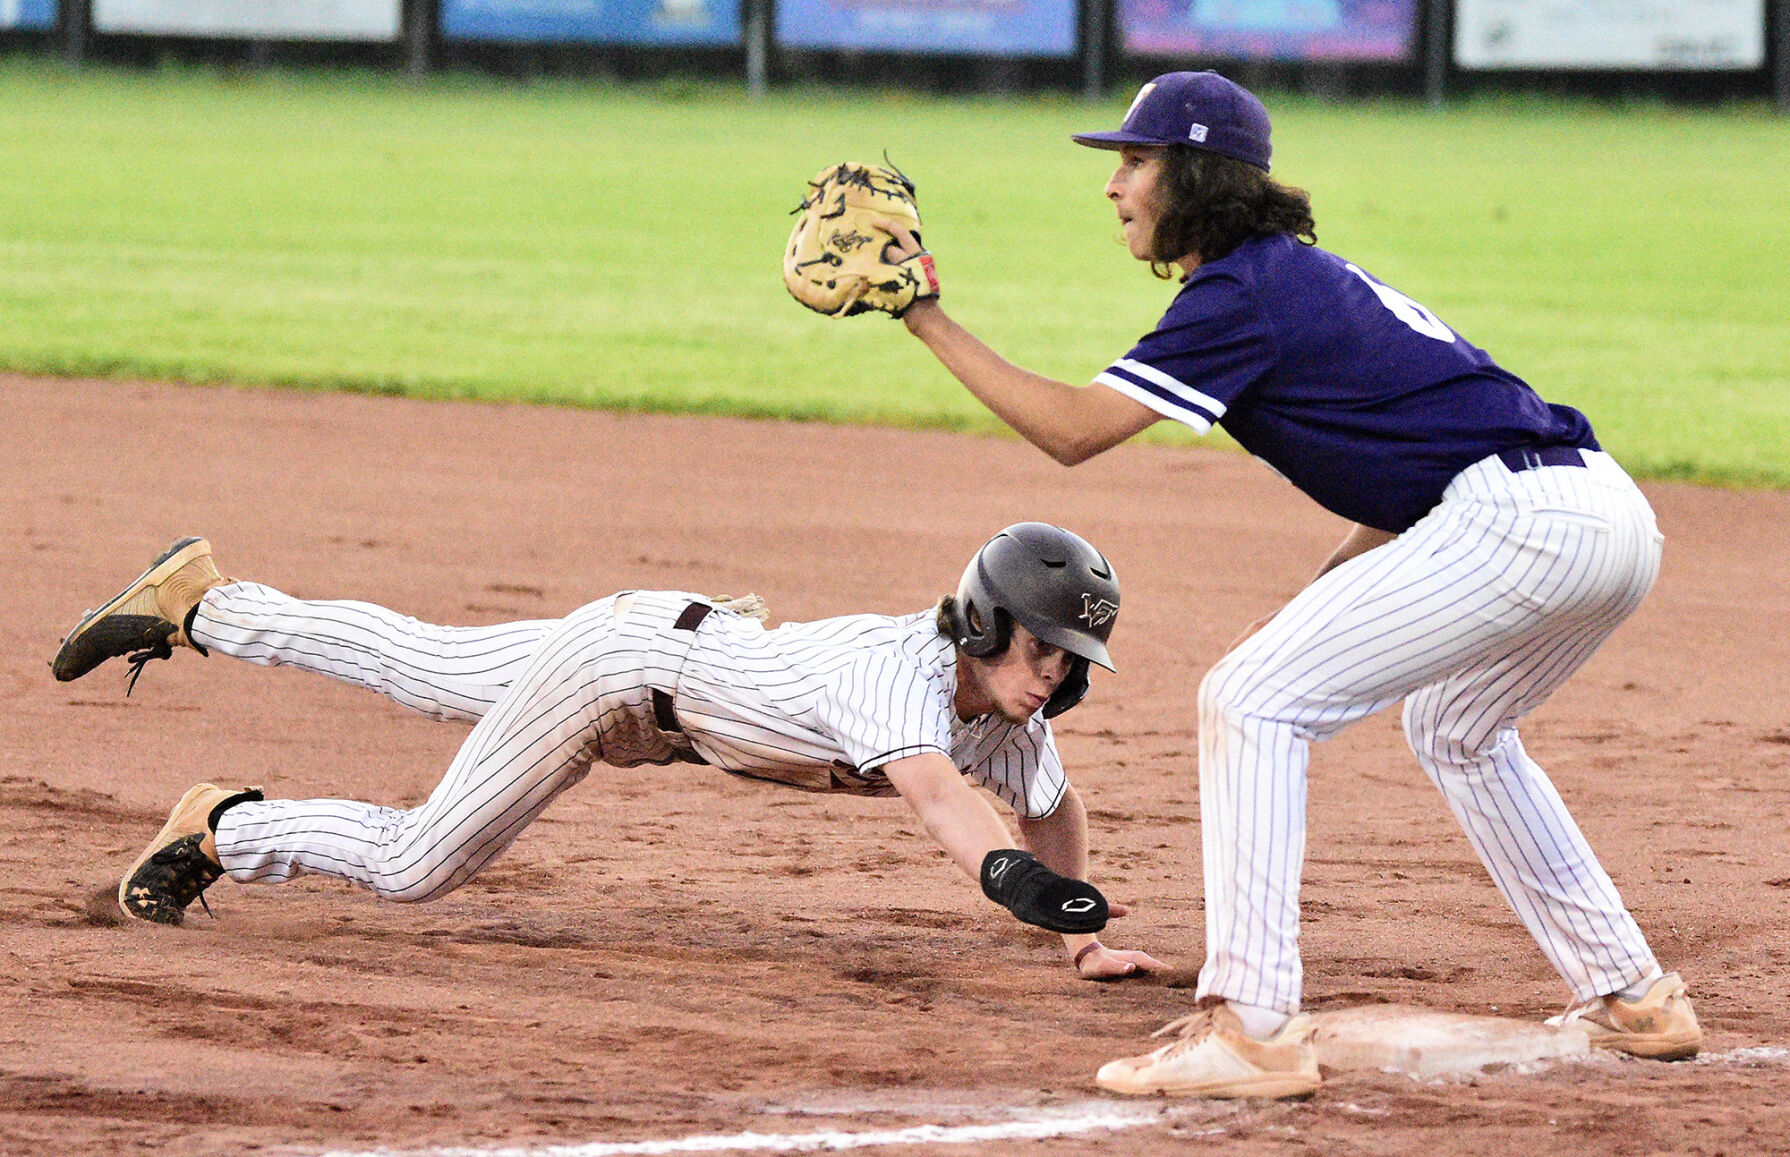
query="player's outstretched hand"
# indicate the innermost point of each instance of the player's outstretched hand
(1098, 962)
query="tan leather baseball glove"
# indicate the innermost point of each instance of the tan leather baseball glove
(835, 263)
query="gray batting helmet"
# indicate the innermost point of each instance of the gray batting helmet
(1051, 582)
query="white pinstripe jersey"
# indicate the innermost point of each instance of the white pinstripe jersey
(822, 705)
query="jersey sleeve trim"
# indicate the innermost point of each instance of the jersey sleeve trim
(1166, 395)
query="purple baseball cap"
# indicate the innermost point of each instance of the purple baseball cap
(1201, 109)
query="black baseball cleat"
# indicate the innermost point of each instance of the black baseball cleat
(147, 619)
(182, 861)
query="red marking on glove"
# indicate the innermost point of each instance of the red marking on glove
(932, 275)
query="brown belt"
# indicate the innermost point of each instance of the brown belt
(663, 715)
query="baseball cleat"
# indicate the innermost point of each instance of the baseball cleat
(182, 861)
(145, 620)
(1214, 1057)
(1661, 1025)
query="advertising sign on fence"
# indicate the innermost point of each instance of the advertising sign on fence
(251, 19)
(27, 13)
(595, 21)
(1270, 29)
(1688, 34)
(983, 27)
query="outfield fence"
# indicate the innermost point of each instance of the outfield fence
(1696, 50)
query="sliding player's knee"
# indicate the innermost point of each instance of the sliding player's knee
(416, 865)
(429, 881)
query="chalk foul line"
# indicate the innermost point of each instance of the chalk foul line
(832, 1141)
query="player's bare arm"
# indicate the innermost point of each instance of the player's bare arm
(952, 811)
(966, 826)
(1060, 841)
(1070, 423)
(1360, 539)
(978, 843)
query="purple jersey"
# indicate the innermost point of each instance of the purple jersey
(1358, 395)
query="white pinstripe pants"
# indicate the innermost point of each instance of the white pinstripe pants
(550, 697)
(1473, 617)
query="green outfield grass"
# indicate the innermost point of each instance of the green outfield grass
(619, 246)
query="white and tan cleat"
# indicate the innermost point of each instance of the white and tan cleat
(1213, 1057)
(182, 861)
(147, 619)
(1660, 1025)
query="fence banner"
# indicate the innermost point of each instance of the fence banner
(27, 13)
(1672, 34)
(251, 19)
(983, 27)
(708, 22)
(1270, 29)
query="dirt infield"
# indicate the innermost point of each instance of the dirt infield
(669, 951)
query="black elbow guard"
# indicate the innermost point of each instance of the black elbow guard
(1032, 892)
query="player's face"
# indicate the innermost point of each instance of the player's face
(1132, 190)
(1020, 680)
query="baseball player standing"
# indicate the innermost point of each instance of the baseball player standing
(864, 704)
(1494, 547)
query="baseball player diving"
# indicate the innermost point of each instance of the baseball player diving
(917, 705)
(1494, 547)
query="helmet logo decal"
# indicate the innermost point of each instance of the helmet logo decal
(1139, 99)
(1097, 612)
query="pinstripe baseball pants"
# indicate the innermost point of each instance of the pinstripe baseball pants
(551, 697)
(1473, 617)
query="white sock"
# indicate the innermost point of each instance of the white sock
(1260, 1023)
(1639, 988)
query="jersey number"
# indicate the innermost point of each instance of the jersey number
(1403, 308)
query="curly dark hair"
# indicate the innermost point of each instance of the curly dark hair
(943, 614)
(1213, 203)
